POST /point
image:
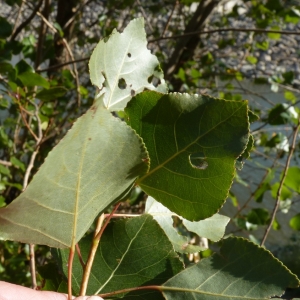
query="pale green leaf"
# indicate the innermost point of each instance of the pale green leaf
(90, 169)
(131, 253)
(241, 271)
(122, 66)
(212, 228)
(163, 217)
(193, 143)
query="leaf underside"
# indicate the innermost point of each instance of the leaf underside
(241, 271)
(131, 253)
(122, 66)
(212, 228)
(193, 143)
(90, 169)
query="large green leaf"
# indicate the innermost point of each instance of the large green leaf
(241, 271)
(131, 253)
(193, 143)
(89, 169)
(212, 228)
(122, 66)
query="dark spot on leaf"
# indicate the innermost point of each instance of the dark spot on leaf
(150, 78)
(132, 92)
(122, 84)
(89, 139)
(198, 161)
(129, 54)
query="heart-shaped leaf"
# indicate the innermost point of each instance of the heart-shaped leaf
(193, 143)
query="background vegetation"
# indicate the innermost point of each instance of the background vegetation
(226, 48)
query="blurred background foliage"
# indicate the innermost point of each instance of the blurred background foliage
(233, 49)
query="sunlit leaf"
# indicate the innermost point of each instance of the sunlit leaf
(212, 228)
(122, 66)
(295, 222)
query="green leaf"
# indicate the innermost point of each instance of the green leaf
(290, 96)
(90, 169)
(258, 216)
(285, 192)
(122, 66)
(51, 94)
(295, 222)
(33, 79)
(212, 228)
(163, 216)
(274, 36)
(241, 271)
(251, 59)
(131, 253)
(292, 180)
(17, 163)
(193, 142)
(5, 28)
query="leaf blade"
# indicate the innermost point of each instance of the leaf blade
(232, 275)
(204, 137)
(121, 66)
(85, 173)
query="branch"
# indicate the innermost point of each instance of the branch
(5, 163)
(63, 64)
(95, 242)
(69, 52)
(200, 32)
(292, 149)
(26, 22)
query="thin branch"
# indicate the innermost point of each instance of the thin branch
(78, 10)
(25, 183)
(18, 17)
(144, 15)
(256, 30)
(70, 266)
(95, 242)
(62, 65)
(5, 163)
(68, 48)
(80, 256)
(169, 18)
(292, 149)
(27, 21)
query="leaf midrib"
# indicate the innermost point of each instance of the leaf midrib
(140, 180)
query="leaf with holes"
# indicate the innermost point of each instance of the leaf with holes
(90, 169)
(131, 253)
(193, 143)
(212, 228)
(241, 271)
(122, 66)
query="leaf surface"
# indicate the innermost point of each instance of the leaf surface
(131, 253)
(193, 143)
(89, 169)
(241, 271)
(122, 66)
(212, 228)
